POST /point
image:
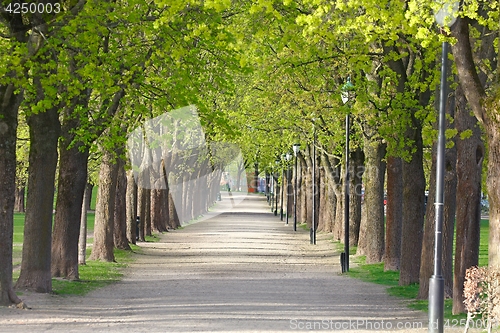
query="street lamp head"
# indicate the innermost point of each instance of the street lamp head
(288, 156)
(346, 90)
(296, 148)
(447, 13)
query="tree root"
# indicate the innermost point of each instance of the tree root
(17, 302)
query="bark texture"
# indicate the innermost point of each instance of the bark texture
(82, 238)
(9, 104)
(131, 202)
(102, 248)
(394, 214)
(413, 210)
(356, 175)
(120, 211)
(470, 156)
(35, 266)
(71, 187)
(372, 240)
(486, 109)
(19, 205)
(427, 258)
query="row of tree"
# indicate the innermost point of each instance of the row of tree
(390, 51)
(264, 75)
(82, 79)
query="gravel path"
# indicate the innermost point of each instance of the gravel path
(240, 269)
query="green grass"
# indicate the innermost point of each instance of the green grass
(483, 244)
(94, 275)
(18, 227)
(375, 273)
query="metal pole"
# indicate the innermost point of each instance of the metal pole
(282, 191)
(295, 196)
(287, 192)
(271, 191)
(346, 196)
(256, 178)
(268, 187)
(436, 282)
(313, 224)
(276, 196)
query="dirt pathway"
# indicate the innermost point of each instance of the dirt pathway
(239, 270)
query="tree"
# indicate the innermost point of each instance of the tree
(43, 121)
(484, 106)
(470, 156)
(20, 47)
(475, 29)
(9, 103)
(374, 240)
(448, 228)
(104, 220)
(394, 214)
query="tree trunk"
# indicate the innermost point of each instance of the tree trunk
(487, 110)
(35, 266)
(356, 170)
(427, 258)
(120, 212)
(103, 246)
(470, 155)
(322, 203)
(301, 199)
(9, 105)
(493, 134)
(394, 214)
(157, 198)
(71, 187)
(450, 183)
(141, 213)
(188, 196)
(147, 213)
(372, 240)
(333, 181)
(413, 210)
(82, 240)
(338, 226)
(173, 218)
(166, 198)
(91, 190)
(131, 202)
(19, 199)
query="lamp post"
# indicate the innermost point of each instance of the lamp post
(282, 185)
(271, 191)
(277, 194)
(445, 16)
(346, 96)
(271, 187)
(296, 149)
(256, 177)
(313, 224)
(288, 157)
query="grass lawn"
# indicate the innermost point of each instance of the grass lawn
(375, 273)
(93, 275)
